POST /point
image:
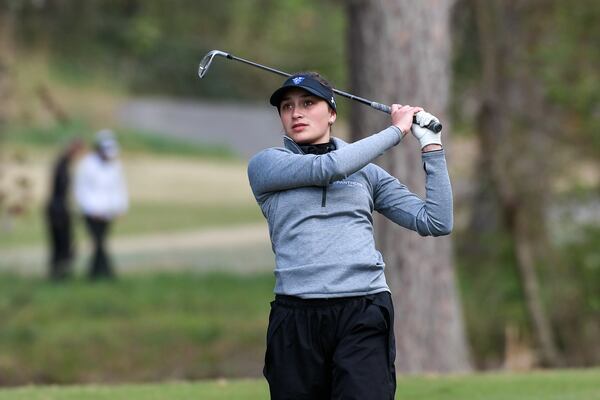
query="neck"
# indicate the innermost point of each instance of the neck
(323, 139)
(317, 148)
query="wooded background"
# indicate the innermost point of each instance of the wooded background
(517, 80)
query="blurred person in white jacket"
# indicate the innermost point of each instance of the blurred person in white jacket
(101, 195)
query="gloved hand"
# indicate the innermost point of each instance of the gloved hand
(424, 135)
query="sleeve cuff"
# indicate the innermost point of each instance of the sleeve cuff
(433, 154)
(398, 131)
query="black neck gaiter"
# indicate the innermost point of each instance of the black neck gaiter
(321, 148)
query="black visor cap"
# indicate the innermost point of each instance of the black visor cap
(307, 83)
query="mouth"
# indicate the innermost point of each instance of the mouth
(298, 127)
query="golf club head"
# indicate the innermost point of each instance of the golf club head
(207, 60)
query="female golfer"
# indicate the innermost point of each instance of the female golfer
(330, 333)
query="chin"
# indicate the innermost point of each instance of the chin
(304, 138)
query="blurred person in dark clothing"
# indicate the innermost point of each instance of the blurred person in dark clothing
(101, 194)
(58, 213)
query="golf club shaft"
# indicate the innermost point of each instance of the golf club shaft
(276, 71)
(434, 126)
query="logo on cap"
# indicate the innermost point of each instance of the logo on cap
(297, 80)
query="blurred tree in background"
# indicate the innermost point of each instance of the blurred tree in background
(154, 46)
(390, 63)
(524, 70)
(513, 115)
(564, 57)
(570, 53)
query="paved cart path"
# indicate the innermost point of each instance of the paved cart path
(244, 248)
(244, 128)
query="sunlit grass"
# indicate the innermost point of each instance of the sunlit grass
(552, 385)
(52, 136)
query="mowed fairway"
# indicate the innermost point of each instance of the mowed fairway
(552, 385)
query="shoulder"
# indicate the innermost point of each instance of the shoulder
(271, 151)
(267, 155)
(87, 161)
(380, 178)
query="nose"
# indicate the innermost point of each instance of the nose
(296, 113)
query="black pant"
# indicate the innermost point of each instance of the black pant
(100, 264)
(331, 348)
(60, 238)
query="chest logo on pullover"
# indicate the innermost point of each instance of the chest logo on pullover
(348, 183)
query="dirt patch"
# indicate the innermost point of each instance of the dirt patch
(178, 181)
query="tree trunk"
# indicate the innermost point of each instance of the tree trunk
(514, 140)
(400, 53)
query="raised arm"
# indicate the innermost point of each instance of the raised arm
(430, 217)
(279, 169)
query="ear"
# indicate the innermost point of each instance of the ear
(332, 116)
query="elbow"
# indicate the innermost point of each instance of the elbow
(442, 228)
(442, 232)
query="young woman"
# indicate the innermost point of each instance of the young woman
(330, 333)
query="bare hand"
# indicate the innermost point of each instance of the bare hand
(402, 116)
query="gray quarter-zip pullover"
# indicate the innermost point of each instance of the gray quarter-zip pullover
(319, 210)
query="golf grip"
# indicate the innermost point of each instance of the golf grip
(433, 126)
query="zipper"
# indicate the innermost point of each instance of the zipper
(324, 198)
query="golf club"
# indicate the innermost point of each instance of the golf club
(207, 60)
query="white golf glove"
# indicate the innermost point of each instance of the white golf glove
(424, 135)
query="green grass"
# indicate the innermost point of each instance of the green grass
(131, 140)
(181, 327)
(143, 218)
(139, 328)
(554, 385)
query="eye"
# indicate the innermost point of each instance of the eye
(286, 107)
(308, 103)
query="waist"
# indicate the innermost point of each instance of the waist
(294, 301)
